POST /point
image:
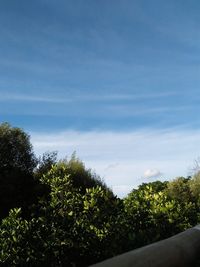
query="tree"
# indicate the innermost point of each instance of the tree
(16, 151)
(179, 190)
(194, 185)
(156, 186)
(17, 162)
(183, 191)
(70, 228)
(82, 177)
(45, 163)
(153, 216)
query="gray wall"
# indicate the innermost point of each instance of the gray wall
(180, 250)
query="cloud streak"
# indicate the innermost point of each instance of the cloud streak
(19, 97)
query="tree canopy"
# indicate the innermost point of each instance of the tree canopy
(16, 150)
(17, 162)
(59, 213)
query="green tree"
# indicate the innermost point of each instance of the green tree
(17, 162)
(16, 151)
(70, 228)
(156, 186)
(194, 185)
(179, 189)
(82, 177)
(152, 216)
(45, 163)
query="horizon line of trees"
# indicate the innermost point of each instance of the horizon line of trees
(59, 213)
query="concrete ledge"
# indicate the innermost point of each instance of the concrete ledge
(182, 250)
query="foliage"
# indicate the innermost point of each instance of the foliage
(77, 220)
(15, 233)
(45, 163)
(153, 216)
(156, 186)
(194, 185)
(71, 228)
(95, 215)
(16, 150)
(82, 177)
(179, 189)
(182, 190)
(17, 162)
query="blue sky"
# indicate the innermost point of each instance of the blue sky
(126, 69)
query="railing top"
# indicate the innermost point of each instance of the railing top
(181, 250)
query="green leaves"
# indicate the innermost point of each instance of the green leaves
(17, 162)
(154, 215)
(76, 227)
(69, 227)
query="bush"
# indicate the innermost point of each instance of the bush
(71, 228)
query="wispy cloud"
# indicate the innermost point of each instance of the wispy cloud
(19, 97)
(14, 97)
(5, 97)
(123, 110)
(122, 158)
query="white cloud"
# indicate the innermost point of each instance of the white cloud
(121, 158)
(152, 173)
